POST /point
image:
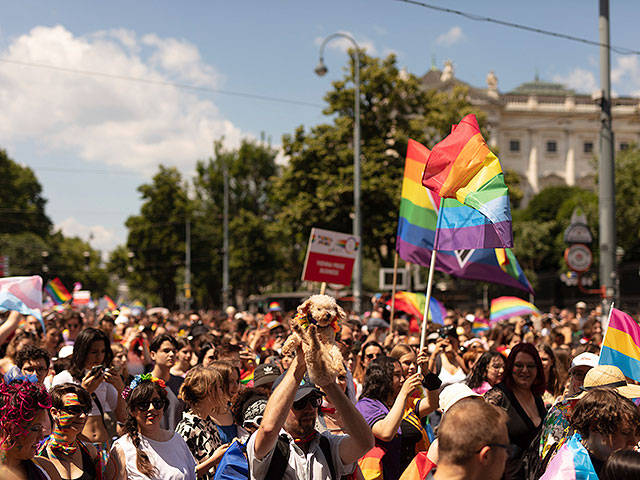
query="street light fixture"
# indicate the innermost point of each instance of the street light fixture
(321, 70)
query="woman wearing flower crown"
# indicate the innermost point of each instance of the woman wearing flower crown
(23, 408)
(147, 451)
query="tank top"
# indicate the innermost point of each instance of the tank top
(88, 468)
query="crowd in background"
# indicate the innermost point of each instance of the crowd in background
(123, 394)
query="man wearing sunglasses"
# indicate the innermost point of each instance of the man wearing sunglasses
(286, 446)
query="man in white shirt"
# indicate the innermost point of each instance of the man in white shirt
(287, 446)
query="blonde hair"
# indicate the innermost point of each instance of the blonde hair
(400, 351)
(199, 383)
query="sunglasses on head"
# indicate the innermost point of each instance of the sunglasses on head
(253, 423)
(301, 404)
(157, 403)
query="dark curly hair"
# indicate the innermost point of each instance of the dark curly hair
(604, 411)
(378, 381)
(143, 392)
(31, 352)
(20, 402)
(240, 399)
(478, 374)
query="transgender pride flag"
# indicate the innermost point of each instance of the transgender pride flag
(22, 294)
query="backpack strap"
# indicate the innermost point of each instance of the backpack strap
(325, 446)
(279, 459)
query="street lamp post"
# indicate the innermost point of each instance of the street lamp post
(321, 70)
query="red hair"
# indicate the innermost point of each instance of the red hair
(539, 385)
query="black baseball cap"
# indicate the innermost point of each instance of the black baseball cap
(305, 388)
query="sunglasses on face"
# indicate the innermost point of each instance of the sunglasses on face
(371, 356)
(302, 403)
(76, 410)
(157, 403)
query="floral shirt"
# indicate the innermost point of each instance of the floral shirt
(202, 438)
(556, 425)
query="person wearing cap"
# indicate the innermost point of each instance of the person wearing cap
(581, 313)
(556, 423)
(289, 423)
(377, 327)
(265, 375)
(604, 421)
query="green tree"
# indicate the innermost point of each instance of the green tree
(157, 235)
(627, 171)
(21, 202)
(316, 187)
(252, 263)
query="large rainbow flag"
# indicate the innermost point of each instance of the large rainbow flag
(621, 344)
(462, 167)
(503, 308)
(57, 291)
(416, 233)
(413, 304)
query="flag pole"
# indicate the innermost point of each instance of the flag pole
(606, 327)
(393, 292)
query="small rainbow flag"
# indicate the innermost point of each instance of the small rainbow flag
(111, 305)
(57, 291)
(413, 304)
(621, 344)
(462, 167)
(246, 376)
(503, 308)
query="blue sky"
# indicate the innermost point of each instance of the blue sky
(93, 139)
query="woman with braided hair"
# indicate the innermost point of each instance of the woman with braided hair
(147, 451)
(23, 408)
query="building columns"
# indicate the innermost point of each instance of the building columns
(570, 162)
(532, 169)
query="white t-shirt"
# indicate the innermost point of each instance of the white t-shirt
(172, 459)
(302, 466)
(106, 393)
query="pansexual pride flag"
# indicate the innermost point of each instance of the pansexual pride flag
(503, 308)
(621, 344)
(417, 226)
(462, 167)
(413, 304)
(57, 291)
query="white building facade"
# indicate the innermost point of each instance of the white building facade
(546, 132)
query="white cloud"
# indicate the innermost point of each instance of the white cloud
(104, 118)
(343, 44)
(452, 37)
(625, 76)
(104, 239)
(579, 79)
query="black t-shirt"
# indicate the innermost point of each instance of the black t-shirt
(174, 383)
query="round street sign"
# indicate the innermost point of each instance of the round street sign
(578, 257)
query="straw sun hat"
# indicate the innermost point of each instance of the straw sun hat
(608, 376)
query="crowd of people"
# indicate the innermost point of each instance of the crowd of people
(126, 395)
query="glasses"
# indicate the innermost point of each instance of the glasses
(253, 423)
(157, 403)
(347, 341)
(371, 356)
(507, 448)
(302, 403)
(499, 366)
(578, 375)
(522, 366)
(36, 370)
(76, 410)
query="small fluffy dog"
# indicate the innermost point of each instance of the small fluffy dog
(315, 326)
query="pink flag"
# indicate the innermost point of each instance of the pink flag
(22, 294)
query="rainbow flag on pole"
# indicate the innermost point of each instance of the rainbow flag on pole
(503, 308)
(417, 226)
(57, 291)
(621, 344)
(413, 304)
(462, 167)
